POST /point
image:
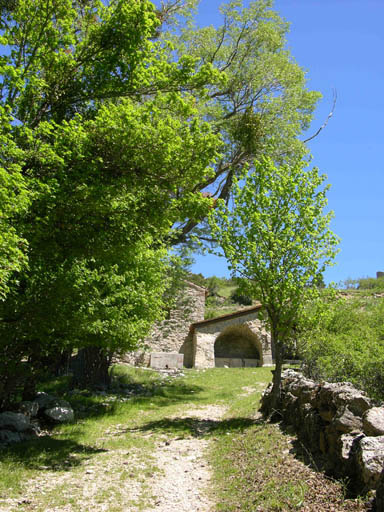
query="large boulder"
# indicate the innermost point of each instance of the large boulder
(7, 437)
(15, 422)
(373, 421)
(44, 400)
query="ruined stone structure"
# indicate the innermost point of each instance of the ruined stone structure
(233, 340)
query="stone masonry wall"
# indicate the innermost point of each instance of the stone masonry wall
(339, 425)
(172, 334)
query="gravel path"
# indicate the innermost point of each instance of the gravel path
(185, 473)
(109, 480)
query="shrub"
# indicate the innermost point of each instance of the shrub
(239, 297)
(346, 343)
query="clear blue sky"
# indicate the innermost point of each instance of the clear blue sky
(341, 45)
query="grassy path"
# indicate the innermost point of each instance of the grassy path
(159, 443)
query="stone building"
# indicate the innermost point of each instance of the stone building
(233, 340)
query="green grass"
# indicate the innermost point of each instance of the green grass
(226, 290)
(117, 434)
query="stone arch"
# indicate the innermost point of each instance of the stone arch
(238, 346)
(204, 334)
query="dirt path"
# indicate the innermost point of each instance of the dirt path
(175, 477)
(185, 473)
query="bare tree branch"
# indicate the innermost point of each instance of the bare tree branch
(328, 118)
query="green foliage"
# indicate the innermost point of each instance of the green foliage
(241, 294)
(108, 145)
(278, 238)
(344, 341)
(14, 200)
(370, 283)
(238, 297)
(263, 104)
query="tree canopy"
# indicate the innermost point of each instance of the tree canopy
(262, 106)
(277, 236)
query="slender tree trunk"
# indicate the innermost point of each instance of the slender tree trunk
(91, 368)
(276, 381)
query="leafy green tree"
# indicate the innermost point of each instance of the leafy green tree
(111, 148)
(278, 238)
(261, 107)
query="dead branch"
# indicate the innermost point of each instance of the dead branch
(328, 118)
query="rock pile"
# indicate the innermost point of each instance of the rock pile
(26, 423)
(338, 423)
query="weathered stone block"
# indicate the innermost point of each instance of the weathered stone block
(373, 421)
(345, 421)
(166, 360)
(60, 415)
(370, 458)
(14, 421)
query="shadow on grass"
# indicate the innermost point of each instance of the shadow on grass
(47, 453)
(96, 405)
(196, 427)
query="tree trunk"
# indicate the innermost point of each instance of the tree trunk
(90, 369)
(276, 381)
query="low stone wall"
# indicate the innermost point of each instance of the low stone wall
(338, 424)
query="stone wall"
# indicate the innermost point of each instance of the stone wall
(172, 334)
(338, 424)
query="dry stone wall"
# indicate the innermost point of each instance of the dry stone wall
(337, 423)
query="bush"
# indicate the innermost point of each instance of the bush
(346, 343)
(370, 283)
(239, 297)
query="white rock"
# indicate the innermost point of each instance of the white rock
(370, 457)
(60, 414)
(373, 421)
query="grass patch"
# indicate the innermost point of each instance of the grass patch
(107, 457)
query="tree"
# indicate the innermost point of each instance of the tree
(277, 237)
(110, 147)
(263, 104)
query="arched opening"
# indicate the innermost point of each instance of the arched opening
(237, 346)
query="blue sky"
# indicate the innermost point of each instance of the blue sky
(341, 45)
